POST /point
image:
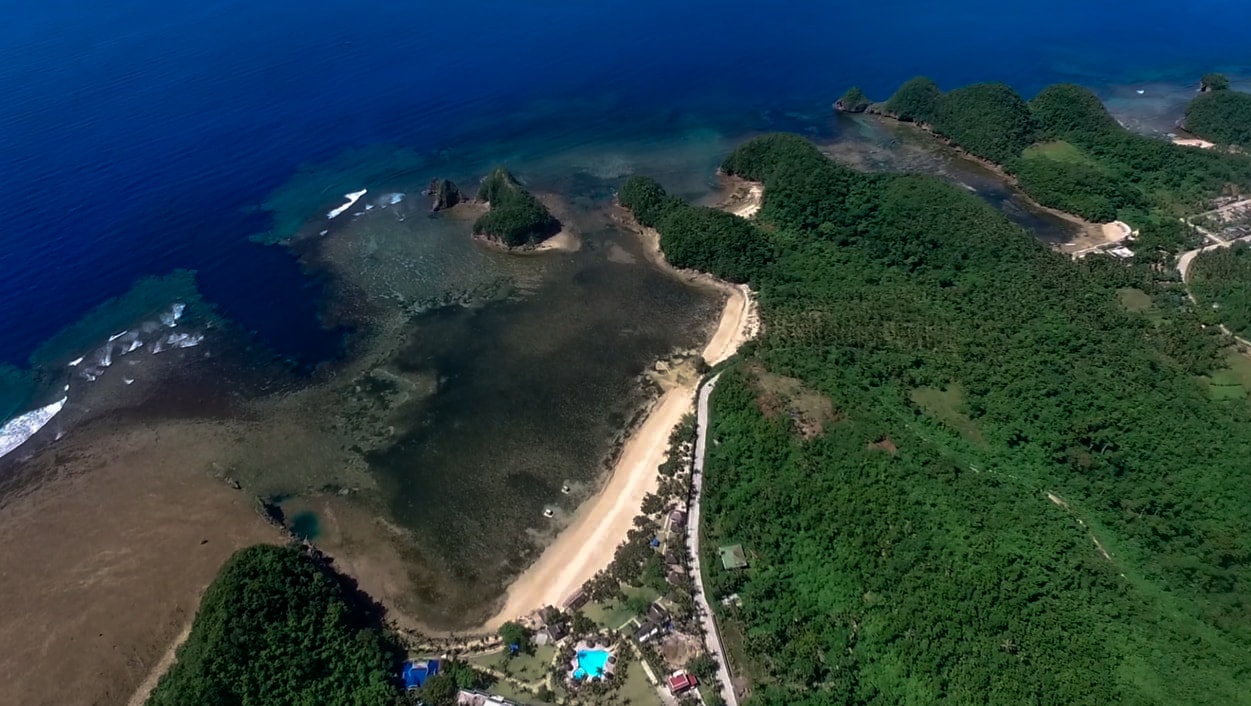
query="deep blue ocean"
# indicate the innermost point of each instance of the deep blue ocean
(139, 137)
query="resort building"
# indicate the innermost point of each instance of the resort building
(655, 622)
(681, 682)
(469, 697)
(577, 600)
(676, 520)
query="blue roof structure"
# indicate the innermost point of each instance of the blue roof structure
(416, 673)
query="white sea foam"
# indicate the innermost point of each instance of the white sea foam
(128, 381)
(390, 199)
(116, 336)
(352, 198)
(184, 340)
(76, 361)
(170, 318)
(17, 430)
(134, 346)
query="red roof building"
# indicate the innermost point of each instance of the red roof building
(681, 682)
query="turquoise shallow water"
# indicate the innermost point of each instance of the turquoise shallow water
(591, 663)
(142, 136)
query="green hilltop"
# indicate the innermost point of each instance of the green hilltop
(1028, 494)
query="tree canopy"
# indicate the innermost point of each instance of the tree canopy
(853, 101)
(988, 119)
(1224, 117)
(1214, 82)
(279, 627)
(516, 217)
(916, 100)
(1221, 281)
(1027, 495)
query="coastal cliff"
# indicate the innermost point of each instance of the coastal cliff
(516, 218)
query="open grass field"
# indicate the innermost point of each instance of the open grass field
(1059, 151)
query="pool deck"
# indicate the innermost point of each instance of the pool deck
(609, 661)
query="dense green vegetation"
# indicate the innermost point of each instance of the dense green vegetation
(1094, 168)
(853, 101)
(1076, 188)
(1224, 117)
(1221, 280)
(709, 235)
(1214, 82)
(278, 626)
(1028, 497)
(916, 100)
(988, 119)
(516, 218)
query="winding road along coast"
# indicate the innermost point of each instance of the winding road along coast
(712, 636)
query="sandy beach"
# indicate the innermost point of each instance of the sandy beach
(586, 545)
(1093, 236)
(744, 198)
(1193, 142)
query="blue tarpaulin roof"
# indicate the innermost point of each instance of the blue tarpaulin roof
(416, 673)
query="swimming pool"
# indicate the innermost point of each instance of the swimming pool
(592, 663)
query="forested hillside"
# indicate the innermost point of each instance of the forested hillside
(1222, 116)
(278, 626)
(1027, 495)
(1067, 152)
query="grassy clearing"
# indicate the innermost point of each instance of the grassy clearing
(1135, 300)
(1226, 385)
(525, 667)
(636, 690)
(947, 407)
(512, 692)
(810, 411)
(1059, 151)
(1240, 365)
(614, 614)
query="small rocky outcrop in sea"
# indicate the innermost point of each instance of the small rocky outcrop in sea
(1213, 82)
(443, 193)
(853, 101)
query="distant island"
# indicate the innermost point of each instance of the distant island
(516, 219)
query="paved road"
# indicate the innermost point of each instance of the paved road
(712, 637)
(1184, 260)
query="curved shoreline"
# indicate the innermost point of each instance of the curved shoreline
(586, 545)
